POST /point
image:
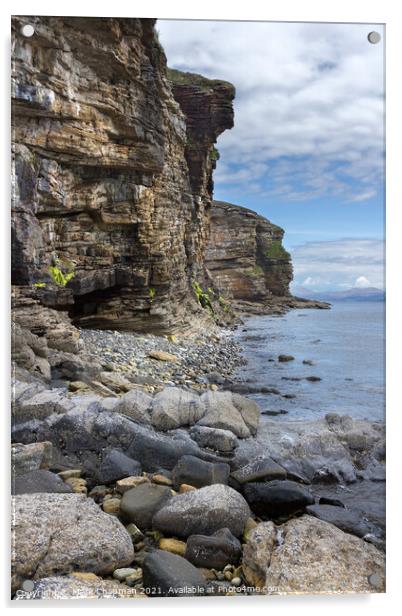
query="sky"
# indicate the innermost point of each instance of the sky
(307, 148)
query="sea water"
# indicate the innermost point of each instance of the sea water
(347, 347)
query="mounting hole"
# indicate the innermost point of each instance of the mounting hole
(28, 30)
(374, 37)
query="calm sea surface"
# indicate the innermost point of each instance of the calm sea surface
(346, 345)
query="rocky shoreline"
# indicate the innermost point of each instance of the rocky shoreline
(127, 489)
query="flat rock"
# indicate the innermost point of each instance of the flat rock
(199, 473)
(203, 512)
(307, 555)
(117, 465)
(166, 574)
(348, 521)
(32, 457)
(284, 358)
(39, 481)
(262, 468)
(223, 441)
(277, 498)
(135, 404)
(174, 407)
(60, 533)
(216, 551)
(222, 413)
(140, 504)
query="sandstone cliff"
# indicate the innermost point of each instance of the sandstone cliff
(246, 258)
(111, 175)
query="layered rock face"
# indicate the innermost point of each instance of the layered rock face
(245, 256)
(106, 174)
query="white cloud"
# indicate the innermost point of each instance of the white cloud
(362, 282)
(313, 92)
(339, 263)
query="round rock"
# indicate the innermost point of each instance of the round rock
(203, 511)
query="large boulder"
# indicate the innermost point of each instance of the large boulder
(174, 407)
(249, 411)
(262, 468)
(215, 551)
(39, 481)
(221, 412)
(60, 533)
(222, 441)
(307, 555)
(277, 498)
(203, 512)
(135, 404)
(199, 473)
(140, 504)
(346, 520)
(170, 575)
(116, 465)
(31, 457)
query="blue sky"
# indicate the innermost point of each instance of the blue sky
(307, 147)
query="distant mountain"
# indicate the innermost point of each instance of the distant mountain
(356, 294)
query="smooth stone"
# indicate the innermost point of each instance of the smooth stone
(55, 534)
(116, 465)
(262, 468)
(223, 441)
(216, 551)
(348, 521)
(39, 481)
(185, 487)
(277, 498)
(140, 504)
(203, 512)
(284, 358)
(166, 574)
(199, 473)
(249, 411)
(313, 379)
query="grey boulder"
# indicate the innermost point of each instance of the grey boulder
(277, 498)
(203, 512)
(262, 468)
(169, 575)
(140, 504)
(55, 534)
(221, 412)
(222, 441)
(116, 465)
(174, 407)
(135, 404)
(31, 457)
(215, 551)
(199, 473)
